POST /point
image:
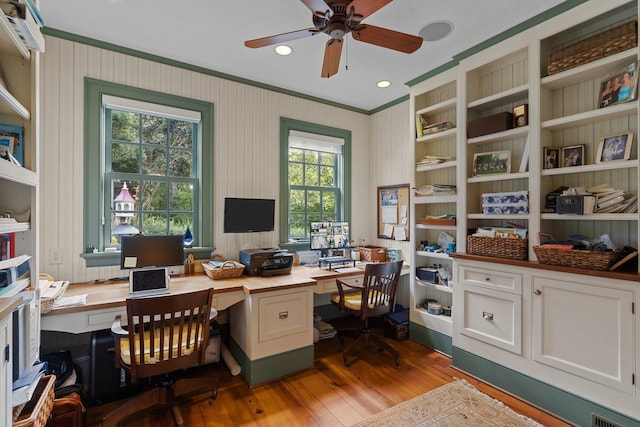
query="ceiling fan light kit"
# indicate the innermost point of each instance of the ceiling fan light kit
(337, 18)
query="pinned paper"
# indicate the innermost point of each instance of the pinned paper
(400, 233)
(388, 230)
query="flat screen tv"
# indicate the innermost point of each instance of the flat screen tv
(248, 215)
(151, 251)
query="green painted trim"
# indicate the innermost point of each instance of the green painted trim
(93, 167)
(525, 25)
(389, 104)
(430, 338)
(287, 125)
(270, 368)
(162, 60)
(559, 402)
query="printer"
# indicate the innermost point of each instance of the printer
(266, 262)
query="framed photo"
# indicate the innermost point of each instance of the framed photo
(393, 212)
(551, 157)
(491, 163)
(572, 156)
(614, 147)
(620, 87)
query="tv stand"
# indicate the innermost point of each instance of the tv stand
(331, 260)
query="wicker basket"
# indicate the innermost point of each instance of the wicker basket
(498, 247)
(46, 303)
(589, 260)
(373, 253)
(226, 270)
(606, 43)
(36, 412)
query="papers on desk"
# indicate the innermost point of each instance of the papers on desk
(349, 270)
(24, 386)
(70, 301)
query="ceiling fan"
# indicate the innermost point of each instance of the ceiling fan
(337, 18)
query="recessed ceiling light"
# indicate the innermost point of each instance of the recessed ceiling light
(283, 50)
(436, 30)
(383, 83)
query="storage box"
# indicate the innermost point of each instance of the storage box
(506, 197)
(427, 274)
(575, 204)
(373, 253)
(506, 209)
(490, 124)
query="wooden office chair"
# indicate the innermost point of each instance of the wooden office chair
(375, 297)
(165, 334)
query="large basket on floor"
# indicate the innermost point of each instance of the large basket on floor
(497, 247)
(36, 412)
(589, 260)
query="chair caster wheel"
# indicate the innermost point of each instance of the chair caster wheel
(396, 361)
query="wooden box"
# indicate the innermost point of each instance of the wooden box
(490, 124)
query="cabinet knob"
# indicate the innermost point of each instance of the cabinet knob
(537, 292)
(486, 315)
(283, 314)
(487, 279)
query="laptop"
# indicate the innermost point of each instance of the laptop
(148, 281)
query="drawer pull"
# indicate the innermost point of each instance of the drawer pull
(537, 292)
(487, 279)
(486, 315)
(283, 314)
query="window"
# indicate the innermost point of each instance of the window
(144, 152)
(317, 180)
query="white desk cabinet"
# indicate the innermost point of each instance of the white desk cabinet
(575, 332)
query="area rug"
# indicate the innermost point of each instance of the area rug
(455, 404)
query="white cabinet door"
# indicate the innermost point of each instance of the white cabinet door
(584, 330)
(5, 372)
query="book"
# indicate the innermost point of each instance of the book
(610, 202)
(604, 197)
(16, 132)
(28, 31)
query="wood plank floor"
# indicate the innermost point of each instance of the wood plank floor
(329, 394)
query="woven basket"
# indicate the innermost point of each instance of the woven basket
(373, 253)
(36, 412)
(227, 270)
(589, 260)
(46, 304)
(497, 247)
(606, 43)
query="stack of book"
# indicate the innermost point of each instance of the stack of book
(25, 19)
(612, 200)
(435, 190)
(428, 161)
(424, 128)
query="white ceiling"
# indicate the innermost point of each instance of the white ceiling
(211, 34)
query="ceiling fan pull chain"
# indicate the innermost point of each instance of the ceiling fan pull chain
(346, 59)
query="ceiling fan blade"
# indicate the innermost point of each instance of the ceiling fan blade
(390, 39)
(316, 5)
(367, 7)
(332, 53)
(281, 38)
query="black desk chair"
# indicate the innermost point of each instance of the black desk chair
(165, 334)
(376, 297)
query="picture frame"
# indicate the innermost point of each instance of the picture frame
(492, 162)
(620, 87)
(614, 147)
(551, 156)
(393, 212)
(573, 155)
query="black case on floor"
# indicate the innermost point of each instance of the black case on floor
(104, 383)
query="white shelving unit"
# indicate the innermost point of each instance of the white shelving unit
(19, 105)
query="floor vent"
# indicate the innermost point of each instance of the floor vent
(598, 421)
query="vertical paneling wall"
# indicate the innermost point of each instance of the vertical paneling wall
(245, 155)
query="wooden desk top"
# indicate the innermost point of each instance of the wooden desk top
(111, 294)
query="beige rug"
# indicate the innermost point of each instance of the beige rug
(455, 404)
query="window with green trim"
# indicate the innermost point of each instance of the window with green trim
(316, 183)
(144, 157)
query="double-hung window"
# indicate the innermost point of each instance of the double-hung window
(147, 166)
(316, 183)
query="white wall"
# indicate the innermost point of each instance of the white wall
(246, 138)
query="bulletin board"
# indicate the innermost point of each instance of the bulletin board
(393, 212)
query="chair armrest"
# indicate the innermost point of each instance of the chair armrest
(341, 291)
(116, 328)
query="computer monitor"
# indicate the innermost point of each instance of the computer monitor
(326, 236)
(151, 251)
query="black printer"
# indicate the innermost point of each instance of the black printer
(266, 262)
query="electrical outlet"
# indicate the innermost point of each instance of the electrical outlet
(55, 256)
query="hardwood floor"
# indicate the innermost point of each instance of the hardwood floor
(329, 394)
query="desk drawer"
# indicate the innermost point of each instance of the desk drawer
(326, 286)
(104, 318)
(283, 315)
(491, 316)
(492, 279)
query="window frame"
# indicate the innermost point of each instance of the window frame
(287, 125)
(94, 167)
